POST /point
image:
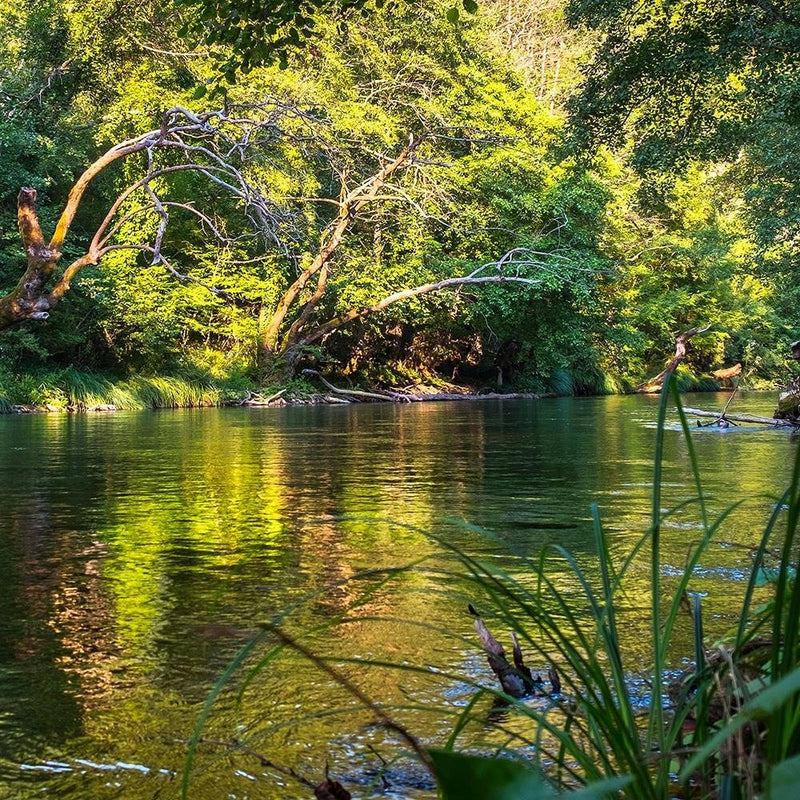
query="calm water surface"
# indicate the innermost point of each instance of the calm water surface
(140, 551)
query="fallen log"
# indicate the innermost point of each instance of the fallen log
(750, 419)
(389, 396)
(654, 385)
(353, 392)
(441, 396)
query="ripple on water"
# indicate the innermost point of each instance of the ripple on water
(143, 551)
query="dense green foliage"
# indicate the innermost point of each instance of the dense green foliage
(679, 83)
(638, 236)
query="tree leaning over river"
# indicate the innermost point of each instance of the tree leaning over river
(218, 146)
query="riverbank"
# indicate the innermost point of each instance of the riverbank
(74, 391)
(171, 392)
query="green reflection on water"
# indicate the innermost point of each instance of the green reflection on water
(142, 549)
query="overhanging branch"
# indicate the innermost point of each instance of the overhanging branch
(507, 271)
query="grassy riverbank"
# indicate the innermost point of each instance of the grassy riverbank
(68, 389)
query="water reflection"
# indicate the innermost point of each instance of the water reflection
(142, 549)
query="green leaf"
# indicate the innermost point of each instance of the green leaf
(452, 14)
(471, 6)
(200, 91)
(461, 776)
(601, 789)
(784, 780)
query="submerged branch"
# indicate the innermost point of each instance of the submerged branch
(746, 418)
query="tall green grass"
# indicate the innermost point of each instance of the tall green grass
(734, 731)
(72, 389)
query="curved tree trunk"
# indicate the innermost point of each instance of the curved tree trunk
(41, 286)
(27, 300)
(504, 270)
(202, 144)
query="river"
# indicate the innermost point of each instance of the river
(141, 550)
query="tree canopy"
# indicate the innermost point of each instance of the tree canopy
(404, 148)
(680, 82)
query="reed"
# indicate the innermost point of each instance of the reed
(76, 390)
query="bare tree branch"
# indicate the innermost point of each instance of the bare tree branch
(503, 274)
(352, 202)
(213, 145)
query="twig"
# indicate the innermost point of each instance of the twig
(265, 762)
(385, 720)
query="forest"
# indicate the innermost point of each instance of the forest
(539, 205)
(530, 197)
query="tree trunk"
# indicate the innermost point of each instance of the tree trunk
(789, 399)
(28, 299)
(681, 345)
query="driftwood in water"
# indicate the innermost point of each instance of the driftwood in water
(407, 397)
(728, 373)
(515, 679)
(681, 345)
(746, 418)
(439, 396)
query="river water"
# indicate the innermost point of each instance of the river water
(140, 552)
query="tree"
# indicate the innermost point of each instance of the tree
(41, 286)
(256, 34)
(681, 81)
(483, 178)
(217, 146)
